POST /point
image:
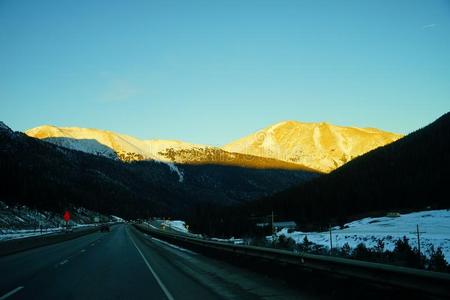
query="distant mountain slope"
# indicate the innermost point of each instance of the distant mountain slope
(320, 146)
(127, 148)
(14, 219)
(47, 176)
(120, 144)
(411, 173)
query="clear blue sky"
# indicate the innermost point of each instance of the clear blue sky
(212, 71)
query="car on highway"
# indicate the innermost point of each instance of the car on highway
(105, 228)
(68, 229)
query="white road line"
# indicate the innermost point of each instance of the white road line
(163, 287)
(64, 262)
(82, 250)
(9, 294)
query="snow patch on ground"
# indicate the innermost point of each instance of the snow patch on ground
(434, 228)
(18, 234)
(150, 225)
(11, 234)
(117, 219)
(176, 225)
(231, 240)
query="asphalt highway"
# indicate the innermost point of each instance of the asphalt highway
(127, 264)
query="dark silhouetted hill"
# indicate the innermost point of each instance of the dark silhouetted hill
(412, 173)
(46, 176)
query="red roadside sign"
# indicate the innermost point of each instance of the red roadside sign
(67, 216)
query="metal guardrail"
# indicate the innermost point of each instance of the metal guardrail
(18, 245)
(426, 282)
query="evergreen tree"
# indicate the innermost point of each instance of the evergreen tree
(437, 260)
(305, 246)
(404, 254)
(361, 252)
(346, 250)
(284, 242)
(379, 247)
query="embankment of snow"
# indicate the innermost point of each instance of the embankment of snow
(434, 229)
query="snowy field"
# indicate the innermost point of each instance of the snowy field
(434, 228)
(176, 225)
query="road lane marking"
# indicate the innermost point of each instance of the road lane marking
(9, 294)
(163, 287)
(64, 262)
(82, 250)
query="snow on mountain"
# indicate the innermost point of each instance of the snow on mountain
(85, 145)
(175, 169)
(3, 126)
(434, 228)
(94, 141)
(5, 129)
(320, 146)
(127, 148)
(111, 145)
(312, 146)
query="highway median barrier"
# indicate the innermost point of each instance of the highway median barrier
(18, 245)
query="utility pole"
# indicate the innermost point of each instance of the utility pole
(418, 238)
(331, 241)
(273, 228)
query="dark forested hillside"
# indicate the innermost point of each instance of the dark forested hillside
(411, 173)
(43, 175)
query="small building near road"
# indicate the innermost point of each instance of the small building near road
(285, 224)
(279, 225)
(393, 214)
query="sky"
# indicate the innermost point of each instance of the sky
(213, 71)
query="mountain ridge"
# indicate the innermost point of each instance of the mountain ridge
(318, 147)
(128, 148)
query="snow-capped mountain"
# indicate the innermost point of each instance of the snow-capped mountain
(289, 145)
(320, 146)
(111, 144)
(107, 143)
(127, 148)
(4, 127)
